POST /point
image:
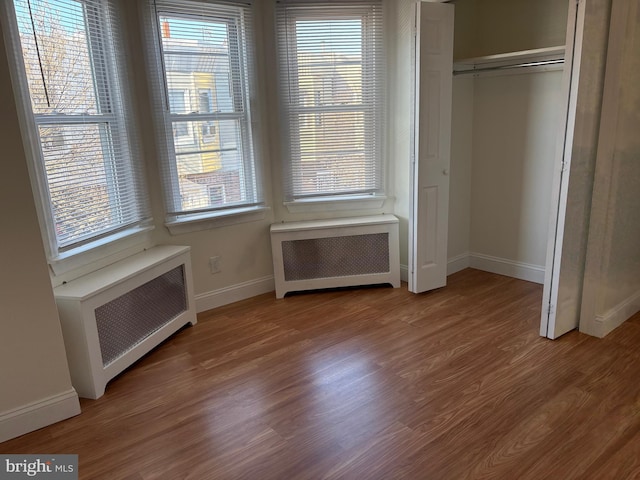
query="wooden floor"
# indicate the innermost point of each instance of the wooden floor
(368, 384)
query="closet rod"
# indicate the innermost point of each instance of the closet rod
(541, 63)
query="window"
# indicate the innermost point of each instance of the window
(209, 163)
(331, 58)
(208, 128)
(178, 98)
(216, 195)
(205, 101)
(89, 186)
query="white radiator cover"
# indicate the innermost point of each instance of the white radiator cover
(335, 253)
(114, 316)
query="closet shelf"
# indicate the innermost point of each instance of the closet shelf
(525, 58)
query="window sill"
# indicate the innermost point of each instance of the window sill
(93, 252)
(334, 204)
(207, 221)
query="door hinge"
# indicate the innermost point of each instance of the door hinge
(551, 309)
(563, 166)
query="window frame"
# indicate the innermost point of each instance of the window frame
(367, 198)
(108, 83)
(241, 71)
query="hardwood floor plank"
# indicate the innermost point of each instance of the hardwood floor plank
(623, 461)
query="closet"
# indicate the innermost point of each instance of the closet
(506, 122)
(522, 129)
(505, 107)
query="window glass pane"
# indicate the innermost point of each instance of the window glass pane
(197, 59)
(59, 71)
(204, 101)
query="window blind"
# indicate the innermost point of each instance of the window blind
(331, 77)
(205, 64)
(73, 60)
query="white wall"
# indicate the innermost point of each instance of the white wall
(612, 274)
(515, 120)
(34, 377)
(622, 270)
(462, 121)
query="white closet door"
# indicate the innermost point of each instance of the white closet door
(430, 194)
(553, 325)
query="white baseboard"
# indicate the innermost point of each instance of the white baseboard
(404, 273)
(458, 263)
(502, 266)
(616, 316)
(42, 413)
(234, 293)
(454, 265)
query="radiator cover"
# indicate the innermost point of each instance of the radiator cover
(335, 253)
(114, 316)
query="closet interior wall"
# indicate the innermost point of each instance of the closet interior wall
(505, 128)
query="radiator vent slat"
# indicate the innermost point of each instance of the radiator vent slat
(127, 320)
(335, 256)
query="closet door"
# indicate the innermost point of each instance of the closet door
(432, 145)
(563, 273)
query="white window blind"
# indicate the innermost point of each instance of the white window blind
(72, 57)
(331, 77)
(205, 58)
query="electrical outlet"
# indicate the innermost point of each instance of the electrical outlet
(214, 264)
